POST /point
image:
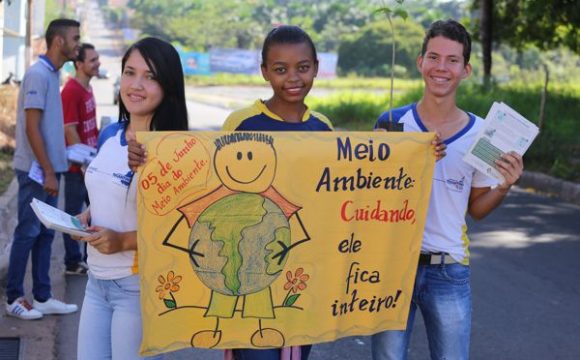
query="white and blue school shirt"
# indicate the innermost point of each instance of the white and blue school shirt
(445, 228)
(113, 204)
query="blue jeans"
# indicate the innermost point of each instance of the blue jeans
(30, 237)
(110, 325)
(267, 354)
(443, 294)
(75, 196)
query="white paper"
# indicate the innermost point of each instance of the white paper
(504, 130)
(81, 153)
(56, 219)
(36, 173)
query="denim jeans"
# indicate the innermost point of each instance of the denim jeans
(443, 294)
(110, 325)
(30, 238)
(75, 196)
(267, 354)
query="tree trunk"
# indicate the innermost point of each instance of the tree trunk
(544, 97)
(486, 38)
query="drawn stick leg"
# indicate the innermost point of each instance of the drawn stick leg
(207, 338)
(267, 337)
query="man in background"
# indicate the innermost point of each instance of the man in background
(39, 144)
(80, 126)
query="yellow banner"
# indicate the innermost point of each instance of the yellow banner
(270, 239)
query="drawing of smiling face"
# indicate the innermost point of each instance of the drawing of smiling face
(246, 166)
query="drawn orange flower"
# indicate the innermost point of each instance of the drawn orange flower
(169, 284)
(296, 282)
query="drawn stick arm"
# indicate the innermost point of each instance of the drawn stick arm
(190, 251)
(286, 249)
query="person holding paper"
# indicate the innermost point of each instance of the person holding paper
(152, 97)
(442, 291)
(39, 143)
(80, 120)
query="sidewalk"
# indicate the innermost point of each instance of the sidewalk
(37, 337)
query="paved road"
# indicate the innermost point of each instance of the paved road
(106, 41)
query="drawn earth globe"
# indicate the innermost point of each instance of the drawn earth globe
(238, 236)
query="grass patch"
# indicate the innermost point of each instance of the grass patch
(359, 111)
(349, 83)
(222, 79)
(346, 83)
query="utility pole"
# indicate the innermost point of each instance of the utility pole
(28, 39)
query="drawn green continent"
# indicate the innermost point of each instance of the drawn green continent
(259, 243)
(238, 236)
(228, 217)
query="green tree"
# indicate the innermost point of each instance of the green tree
(201, 24)
(546, 24)
(325, 21)
(426, 12)
(367, 52)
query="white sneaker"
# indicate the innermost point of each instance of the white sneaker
(22, 309)
(53, 306)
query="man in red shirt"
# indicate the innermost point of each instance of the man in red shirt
(80, 120)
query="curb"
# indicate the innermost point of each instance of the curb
(564, 190)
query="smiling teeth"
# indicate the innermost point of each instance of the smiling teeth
(439, 79)
(136, 98)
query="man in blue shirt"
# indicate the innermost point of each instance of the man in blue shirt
(39, 144)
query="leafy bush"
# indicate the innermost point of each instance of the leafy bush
(368, 51)
(356, 111)
(347, 83)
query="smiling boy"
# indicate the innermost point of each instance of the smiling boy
(442, 290)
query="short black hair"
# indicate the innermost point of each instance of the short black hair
(287, 34)
(83, 52)
(58, 27)
(164, 62)
(451, 30)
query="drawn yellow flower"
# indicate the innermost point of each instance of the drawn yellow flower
(169, 284)
(296, 282)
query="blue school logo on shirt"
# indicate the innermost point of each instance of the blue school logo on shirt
(124, 179)
(456, 184)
